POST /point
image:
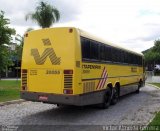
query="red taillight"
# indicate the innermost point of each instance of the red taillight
(24, 71)
(24, 88)
(68, 71)
(70, 30)
(68, 91)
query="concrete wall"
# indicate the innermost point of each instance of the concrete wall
(151, 78)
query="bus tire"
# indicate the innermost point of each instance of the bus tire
(138, 88)
(115, 96)
(106, 99)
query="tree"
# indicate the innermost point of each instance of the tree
(5, 38)
(5, 31)
(152, 55)
(45, 15)
(19, 47)
(149, 57)
(156, 47)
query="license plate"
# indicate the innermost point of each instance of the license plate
(43, 98)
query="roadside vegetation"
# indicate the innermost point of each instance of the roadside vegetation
(44, 15)
(9, 90)
(156, 121)
(156, 84)
(152, 58)
(154, 125)
(5, 38)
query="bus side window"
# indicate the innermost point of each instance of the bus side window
(114, 56)
(102, 52)
(118, 55)
(94, 50)
(108, 51)
(130, 58)
(122, 56)
(85, 44)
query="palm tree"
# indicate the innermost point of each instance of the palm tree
(45, 15)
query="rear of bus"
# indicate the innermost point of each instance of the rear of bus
(51, 64)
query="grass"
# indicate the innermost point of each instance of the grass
(155, 123)
(156, 120)
(9, 90)
(156, 84)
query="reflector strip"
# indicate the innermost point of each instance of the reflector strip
(103, 79)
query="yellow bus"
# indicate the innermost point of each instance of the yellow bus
(68, 66)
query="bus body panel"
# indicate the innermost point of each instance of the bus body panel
(46, 54)
(53, 83)
(52, 65)
(98, 76)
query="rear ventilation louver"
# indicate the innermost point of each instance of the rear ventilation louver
(68, 78)
(88, 87)
(24, 79)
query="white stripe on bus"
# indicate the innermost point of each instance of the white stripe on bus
(103, 76)
(105, 80)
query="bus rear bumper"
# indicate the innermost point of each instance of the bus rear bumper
(77, 100)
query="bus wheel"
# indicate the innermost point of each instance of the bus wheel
(106, 99)
(138, 88)
(115, 96)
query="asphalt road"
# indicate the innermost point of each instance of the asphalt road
(132, 109)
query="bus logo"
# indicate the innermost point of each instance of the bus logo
(48, 52)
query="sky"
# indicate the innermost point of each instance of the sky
(134, 24)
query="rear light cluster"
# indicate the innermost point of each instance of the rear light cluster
(24, 79)
(24, 71)
(68, 71)
(24, 88)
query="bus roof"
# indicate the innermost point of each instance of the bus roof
(90, 36)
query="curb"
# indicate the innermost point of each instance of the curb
(151, 119)
(155, 113)
(153, 86)
(11, 102)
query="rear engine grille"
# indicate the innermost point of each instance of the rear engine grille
(68, 78)
(24, 79)
(88, 87)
